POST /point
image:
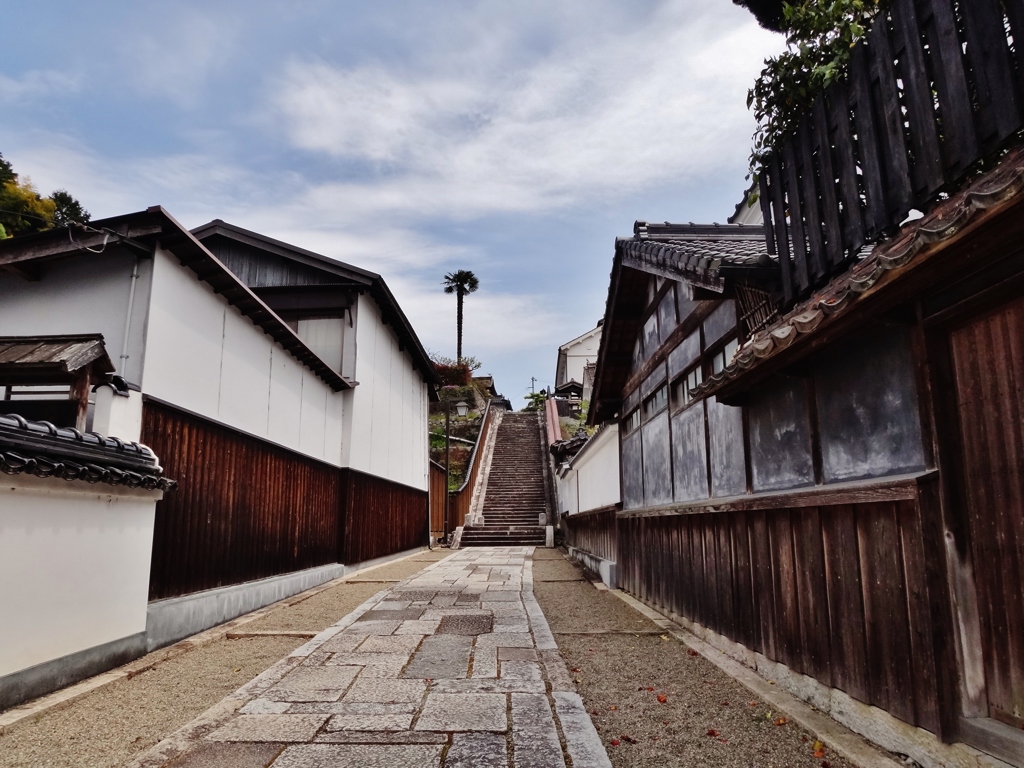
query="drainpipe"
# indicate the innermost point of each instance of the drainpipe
(128, 318)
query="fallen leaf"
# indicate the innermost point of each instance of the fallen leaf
(826, 764)
(725, 703)
(628, 739)
(751, 703)
(819, 753)
(238, 669)
(650, 687)
(712, 732)
(664, 722)
(780, 721)
(692, 652)
(663, 637)
(662, 698)
(817, 745)
(804, 739)
(613, 708)
(724, 741)
(615, 742)
(575, 669)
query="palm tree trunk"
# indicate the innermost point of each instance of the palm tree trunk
(458, 325)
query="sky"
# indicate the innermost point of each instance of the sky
(411, 138)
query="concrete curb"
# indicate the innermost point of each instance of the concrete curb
(67, 695)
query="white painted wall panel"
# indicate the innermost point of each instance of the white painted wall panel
(598, 472)
(244, 390)
(203, 355)
(87, 293)
(285, 398)
(325, 337)
(387, 411)
(74, 569)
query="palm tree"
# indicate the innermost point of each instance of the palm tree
(460, 283)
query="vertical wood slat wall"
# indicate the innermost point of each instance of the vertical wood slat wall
(438, 495)
(934, 87)
(838, 592)
(245, 509)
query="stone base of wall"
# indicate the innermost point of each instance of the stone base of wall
(606, 569)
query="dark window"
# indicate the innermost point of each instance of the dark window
(723, 357)
(632, 421)
(656, 402)
(681, 387)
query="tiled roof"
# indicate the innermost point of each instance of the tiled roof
(39, 448)
(995, 188)
(699, 253)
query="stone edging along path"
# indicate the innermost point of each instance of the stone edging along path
(454, 664)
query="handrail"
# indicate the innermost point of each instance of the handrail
(461, 498)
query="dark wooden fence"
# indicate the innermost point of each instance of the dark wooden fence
(383, 517)
(935, 86)
(462, 499)
(594, 532)
(438, 496)
(243, 509)
(833, 587)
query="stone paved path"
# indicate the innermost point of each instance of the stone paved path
(455, 666)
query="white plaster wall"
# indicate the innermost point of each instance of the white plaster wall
(598, 471)
(579, 354)
(565, 488)
(74, 568)
(324, 336)
(388, 410)
(203, 355)
(86, 293)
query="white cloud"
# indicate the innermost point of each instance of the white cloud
(37, 84)
(600, 116)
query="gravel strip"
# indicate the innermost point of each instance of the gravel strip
(614, 672)
(115, 723)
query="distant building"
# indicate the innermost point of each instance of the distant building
(574, 357)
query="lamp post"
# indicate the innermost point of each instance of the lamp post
(447, 466)
(462, 408)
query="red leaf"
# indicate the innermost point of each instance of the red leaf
(662, 698)
(650, 688)
(692, 652)
(725, 703)
(712, 732)
(752, 704)
(615, 742)
(780, 721)
(628, 739)
(724, 741)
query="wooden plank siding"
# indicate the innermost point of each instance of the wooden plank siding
(244, 509)
(383, 517)
(438, 497)
(594, 532)
(933, 88)
(835, 591)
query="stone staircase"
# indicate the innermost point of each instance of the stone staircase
(514, 496)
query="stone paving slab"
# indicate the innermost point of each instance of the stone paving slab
(454, 664)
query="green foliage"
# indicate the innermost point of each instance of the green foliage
(470, 362)
(6, 172)
(535, 401)
(819, 36)
(23, 210)
(67, 210)
(769, 13)
(460, 282)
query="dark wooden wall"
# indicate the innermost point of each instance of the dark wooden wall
(837, 591)
(438, 496)
(243, 509)
(594, 532)
(383, 517)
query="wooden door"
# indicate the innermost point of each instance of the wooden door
(988, 368)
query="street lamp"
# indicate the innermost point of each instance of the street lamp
(462, 408)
